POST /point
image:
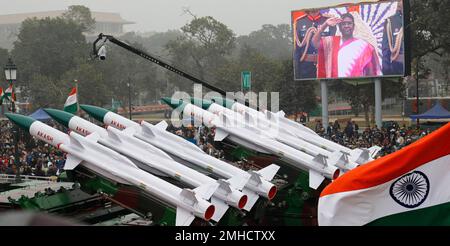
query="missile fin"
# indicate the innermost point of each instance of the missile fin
(71, 162)
(93, 137)
(255, 176)
(340, 160)
(315, 179)
(321, 160)
(183, 217)
(188, 197)
(220, 135)
(205, 191)
(269, 172)
(147, 130)
(162, 125)
(238, 182)
(281, 114)
(113, 134)
(224, 185)
(252, 198)
(374, 151)
(360, 156)
(220, 208)
(75, 142)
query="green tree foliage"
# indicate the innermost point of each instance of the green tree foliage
(272, 41)
(4, 55)
(202, 48)
(265, 71)
(154, 42)
(92, 88)
(429, 27)
(48, 47)
(295, 96)
(80, 15)
(122, 67)
(47, 92)
(44, 51)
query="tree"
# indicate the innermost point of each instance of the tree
(48, 47)
(295, 96)
(80, 15)
(47, 92)
(44, 51)
(272, 41)
(429, 27)
(4, 55)
(202, 48)
(123, 67)
(154, 42)
(92, 87)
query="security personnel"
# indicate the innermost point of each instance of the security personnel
(392, 45)
(305, 54)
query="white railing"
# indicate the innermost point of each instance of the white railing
(12, 177)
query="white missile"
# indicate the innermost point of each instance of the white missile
(252, 138)
(358, 156)
(274, 130)
(253, 183)
(108, 163)
(156, 161)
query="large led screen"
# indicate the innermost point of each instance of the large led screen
(349, 41)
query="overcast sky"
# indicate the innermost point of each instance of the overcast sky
(241, 16)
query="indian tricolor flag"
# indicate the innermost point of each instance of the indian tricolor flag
(71, 104)
(408, 187)
(8, 93)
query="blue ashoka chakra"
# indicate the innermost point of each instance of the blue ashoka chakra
(410, 190)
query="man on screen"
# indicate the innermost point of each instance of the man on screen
(344, 56)
(392, 45)
(305, 54)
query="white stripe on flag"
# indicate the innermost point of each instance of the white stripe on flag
(360, 207)
(71, 100)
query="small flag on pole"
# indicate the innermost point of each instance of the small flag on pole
(8, 93)
(71, 104)
(1, 95)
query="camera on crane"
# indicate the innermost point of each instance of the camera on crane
(102, 53)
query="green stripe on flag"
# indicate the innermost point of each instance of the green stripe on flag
(71, 108)
(438, 215)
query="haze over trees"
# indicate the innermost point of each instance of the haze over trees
(52, 53)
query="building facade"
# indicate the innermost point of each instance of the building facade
(110, 23)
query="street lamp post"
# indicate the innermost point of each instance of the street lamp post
(11, 75)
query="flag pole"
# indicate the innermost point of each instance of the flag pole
(76, 88)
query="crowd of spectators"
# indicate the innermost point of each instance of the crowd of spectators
(390, 138)
(41, 159)
(35, 158)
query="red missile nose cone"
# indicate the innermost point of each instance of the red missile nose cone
(242, 201)
(209, 212)
(272, 192)
(336, 174)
